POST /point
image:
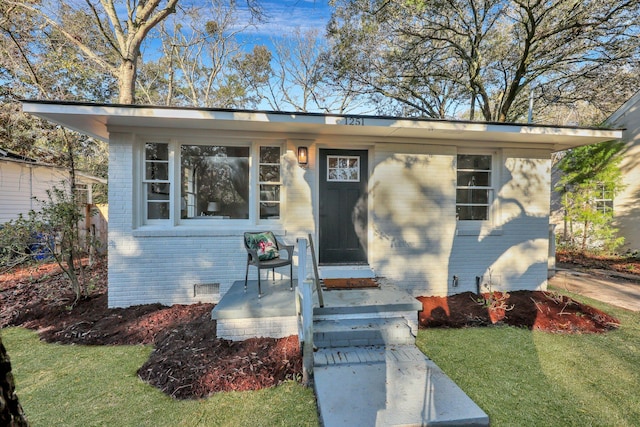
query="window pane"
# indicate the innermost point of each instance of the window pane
(475, 213)
(158, 191)
(156, 151)
(269, 193)
(269, 173)
(269, 210)
(472, 196)
(157, 210)
(157, 171)
(472, 161)
(270, 155)
(215, 174)
(471, 179)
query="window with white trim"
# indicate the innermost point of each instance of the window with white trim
(474, 187)
(157, 186)
(270, 182)
(603, 200)
(211, 181)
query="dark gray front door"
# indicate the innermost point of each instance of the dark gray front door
(343, 207)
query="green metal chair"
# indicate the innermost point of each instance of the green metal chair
(263, 252)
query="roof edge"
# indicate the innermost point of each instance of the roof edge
(621, 111)
(309, 114)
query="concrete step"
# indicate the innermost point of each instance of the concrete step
(362, 332)
(345, 272)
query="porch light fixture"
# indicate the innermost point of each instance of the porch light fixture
(303, 156)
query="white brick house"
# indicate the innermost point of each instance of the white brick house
(428, 204)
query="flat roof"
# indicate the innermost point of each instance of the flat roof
(97, 120)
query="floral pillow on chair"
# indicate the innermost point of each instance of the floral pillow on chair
(264, 244)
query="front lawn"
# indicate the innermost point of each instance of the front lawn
(531, 378)
(71, 385)
(517, 376)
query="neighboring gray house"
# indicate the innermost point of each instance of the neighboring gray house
(416, 201)
(626, 206)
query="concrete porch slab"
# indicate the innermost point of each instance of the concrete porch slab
(242, 315)
(277, 300)
(384, 299)
(392, 386)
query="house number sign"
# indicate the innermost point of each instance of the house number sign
(351, 121)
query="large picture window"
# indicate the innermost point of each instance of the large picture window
(156, 181)
(215, 181)
(474, 187)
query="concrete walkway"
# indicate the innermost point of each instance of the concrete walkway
(388, 386)
(621, 290)
(368, 371)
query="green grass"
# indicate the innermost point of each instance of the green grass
(61, 385)
(524, 378)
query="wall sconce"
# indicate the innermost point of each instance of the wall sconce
(303, 156)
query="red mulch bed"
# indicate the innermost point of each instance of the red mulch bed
(620, 264)
(188, 360)
(535, 310)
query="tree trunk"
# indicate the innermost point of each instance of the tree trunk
(127, 81)
(11, 413)
(584, 235)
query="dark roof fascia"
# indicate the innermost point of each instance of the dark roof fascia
(32, 162)
(10, 155)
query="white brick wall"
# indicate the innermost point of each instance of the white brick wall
(268, 327)
(413, 218)
(414, 240)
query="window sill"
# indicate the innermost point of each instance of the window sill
(205, 230)
(479, 228)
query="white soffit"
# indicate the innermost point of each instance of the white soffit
(96, 119)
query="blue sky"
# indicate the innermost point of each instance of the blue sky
(285, 16)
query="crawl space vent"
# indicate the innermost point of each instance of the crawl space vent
(200, 289)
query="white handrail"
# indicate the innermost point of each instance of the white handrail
(304, 311)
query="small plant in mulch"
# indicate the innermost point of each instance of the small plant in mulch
(494, 301)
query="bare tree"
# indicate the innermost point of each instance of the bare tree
(197, 55)
(301, 79)
(123, 29)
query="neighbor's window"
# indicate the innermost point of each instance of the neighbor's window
(604, 200)
(269, 182)
(215, 181)
(156, 180)
(473, 189)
